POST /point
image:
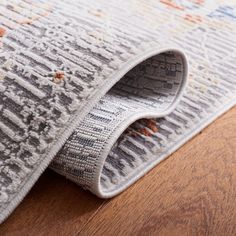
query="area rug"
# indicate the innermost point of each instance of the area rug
(96, 90)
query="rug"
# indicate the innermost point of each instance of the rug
(97, 91)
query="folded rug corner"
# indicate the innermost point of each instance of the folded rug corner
(98, 90)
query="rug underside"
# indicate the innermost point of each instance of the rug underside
(98, 88)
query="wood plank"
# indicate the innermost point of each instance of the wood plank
(193, 192)
(55, 206)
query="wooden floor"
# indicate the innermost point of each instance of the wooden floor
(193, 192)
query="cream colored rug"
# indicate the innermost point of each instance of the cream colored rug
(98, 88)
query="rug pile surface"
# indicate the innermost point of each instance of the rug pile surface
(102, 91)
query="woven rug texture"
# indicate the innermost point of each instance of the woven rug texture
(102, 91)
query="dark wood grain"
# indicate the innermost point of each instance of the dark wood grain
(55, 206)
(193, 192)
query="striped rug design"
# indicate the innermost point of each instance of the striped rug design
(97, 89)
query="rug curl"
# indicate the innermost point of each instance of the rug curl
(97, 89)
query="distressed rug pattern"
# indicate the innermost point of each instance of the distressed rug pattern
(98, 89)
